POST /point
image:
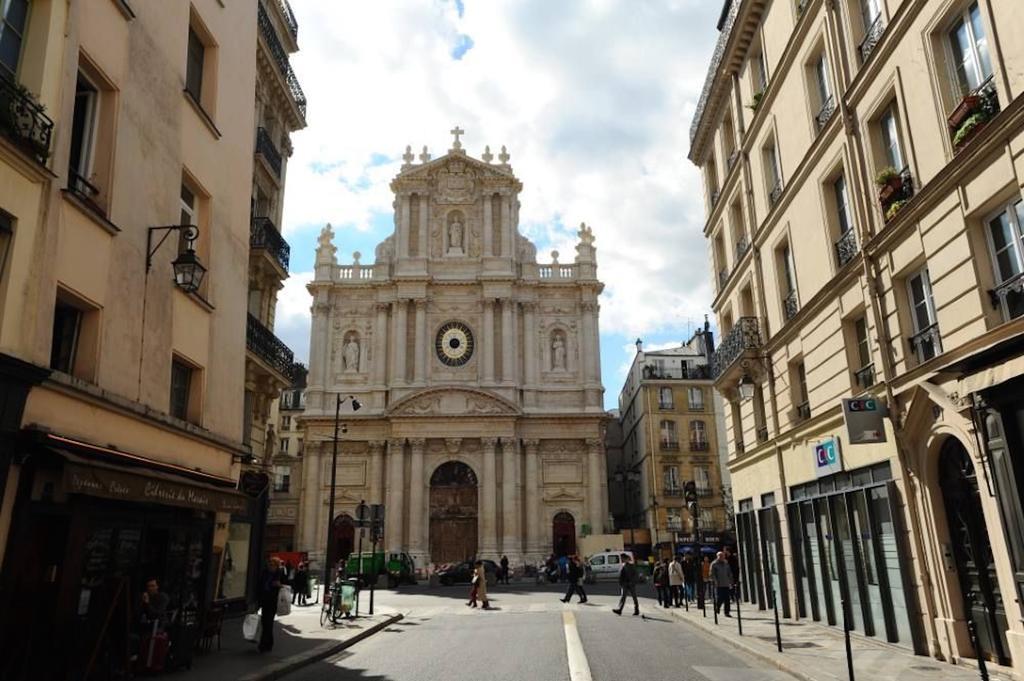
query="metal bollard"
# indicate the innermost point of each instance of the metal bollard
(686, 597)
(717, 605)
(739, 616)
(778, 631)
(846, 635)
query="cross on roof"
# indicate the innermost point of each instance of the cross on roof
(457, 131)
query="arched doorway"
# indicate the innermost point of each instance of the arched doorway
(972, 551)
(453, 513)
(343, 538)
(563, 534)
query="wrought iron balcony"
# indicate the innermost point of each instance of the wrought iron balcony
(84, 190)
(699, 445)
(265, 148)
(865, 376)
(281, 59)
(740, 449)
(790, 306)
(673, 492)
(704, 492)
(263, 234)
(742, 246)
(762, 433)
(828, 108)
(846, 247)
(289, 18)
(262, 342)
(803, 411)
(670, 445)
(926, 343)
(775, 193)
(1008, 296)
(23, 122)
(871, 37)
(687, 371)
(744, 337)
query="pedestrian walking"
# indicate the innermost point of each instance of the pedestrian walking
(721, 576)
(734, 564)
(690, 576)
(705, 578)
(675, 581)
(300, 587)
(271, 581)
(504, 569)
(627, 586)
(660, 579)
(478, 590)
(575, 574)
(563, 567)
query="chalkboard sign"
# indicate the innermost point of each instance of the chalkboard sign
(126, 550)
(97, 555)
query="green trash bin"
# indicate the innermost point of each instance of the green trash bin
(348, 597)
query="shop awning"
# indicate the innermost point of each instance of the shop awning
(109, 481)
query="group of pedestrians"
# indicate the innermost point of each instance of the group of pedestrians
(676, 579)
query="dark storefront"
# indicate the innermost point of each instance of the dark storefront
(761, 563)
(90, 526)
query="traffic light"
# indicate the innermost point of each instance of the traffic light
(690, 492)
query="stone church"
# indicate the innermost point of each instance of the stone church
(478, 371)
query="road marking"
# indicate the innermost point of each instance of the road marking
(579, 668)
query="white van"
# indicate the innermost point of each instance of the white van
(606, 565)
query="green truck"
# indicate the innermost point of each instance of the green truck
(398, 567)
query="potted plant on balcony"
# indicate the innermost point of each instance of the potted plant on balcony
(893, 208)
(969, 128)
(756, 101)
(889, 182)
(967, 106)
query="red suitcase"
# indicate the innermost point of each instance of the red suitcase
(153, 651)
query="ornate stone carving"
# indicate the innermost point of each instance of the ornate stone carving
(351, 354)
(417, 444)
(489, 442)
(558, 351)
(455, 183)
(452, 444)
(453, 402)
(531, 444)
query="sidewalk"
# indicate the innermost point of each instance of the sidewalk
(813, 652)
(298, 640)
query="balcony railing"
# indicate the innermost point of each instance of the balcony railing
(790, 306)
(803, 411)
(865, 376)
(696, 371)
(897, 190)
(670, 445)
(281, 58)
(263, 234)
(86, 191)
(23, 122)
(704, 491)
(871, 37)
(289, 18)
(265, 148)
(699, 445)
(775, 193)
(268, 347)
(762, 433)
(742, 247)
(973, 113)
(926, 343)
(846, 247)
(673, 492)
(1009, 297)
(828, 108)
(743, 337)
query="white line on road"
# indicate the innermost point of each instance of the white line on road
(579, 668)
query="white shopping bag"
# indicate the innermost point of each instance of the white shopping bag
(284, 601)
(251, 627)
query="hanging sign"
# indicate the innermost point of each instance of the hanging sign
(864, 418)
(827, 458)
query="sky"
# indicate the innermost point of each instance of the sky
(593, 99)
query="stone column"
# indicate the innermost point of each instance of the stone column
(376, 485)
(587, 333)
(406, 225)
(595, 500)
(508, 341)
(311, 499)
(424, 227)
(318, 341)
(506, 225)
(488, 225)
(420, 349)
(417, 547)
(487, 356)
(590, 314)
(530, 342)
(488, 506)
(396, 494)
(534, 544)
(401, 331)
(380, 345)
(511, 545)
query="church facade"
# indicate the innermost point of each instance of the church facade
(481, 426)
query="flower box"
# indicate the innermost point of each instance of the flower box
(888, 190)
(965, 108)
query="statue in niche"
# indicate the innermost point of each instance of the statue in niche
(558, 352)
(455, 235)
(350, 354)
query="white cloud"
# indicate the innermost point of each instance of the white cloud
(292, 319)
(593, 100)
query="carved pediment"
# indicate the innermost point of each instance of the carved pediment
(453, 402)
(561, 495)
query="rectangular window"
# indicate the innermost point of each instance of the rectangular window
(668, 434)
(969, 46)
(1006, 243)
(798, 392)
(6, 237)
(707, 519)
(771, 170)
(891, 139)
(83, 134)
(870, 10)
(701, 480)
(698, 436)
(67, 324)
(665, 400)
(673, 519)
(787, 280)
(286, 422)
(821, 79)
(181, 388)
(696, 398)
(842, 205)
(671, 474)
(284, 445)
(282, 478)
(926, 341)
(760, 73)
(194, 66)
(13, 20)
(860, 330)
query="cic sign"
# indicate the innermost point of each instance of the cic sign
(827, 459)
(864, 420)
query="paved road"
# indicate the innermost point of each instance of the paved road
(525, 638)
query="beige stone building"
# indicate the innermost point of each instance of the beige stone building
(861, 168)
(478, 373)
(669, 419)
(122, 372)
(286, 465)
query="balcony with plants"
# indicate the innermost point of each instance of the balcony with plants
(895, 189)
(973, 113)
(23, 120)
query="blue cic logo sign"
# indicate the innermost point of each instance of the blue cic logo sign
(827, 458)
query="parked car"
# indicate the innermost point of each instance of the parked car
(606, 565)
(462, 573)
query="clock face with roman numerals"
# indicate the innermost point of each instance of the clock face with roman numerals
(454, 344)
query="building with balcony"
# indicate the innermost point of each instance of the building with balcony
(125, 144)
(863, 153)
(286, 463)
(669, 423)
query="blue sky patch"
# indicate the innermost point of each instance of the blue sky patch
(463, 44)
(460, 7)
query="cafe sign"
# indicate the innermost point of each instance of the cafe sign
(124, 486)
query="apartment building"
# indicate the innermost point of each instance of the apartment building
(286, 464)
(863, 208)
(669, 434)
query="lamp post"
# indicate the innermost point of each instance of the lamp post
(334, 475)
(188, 271)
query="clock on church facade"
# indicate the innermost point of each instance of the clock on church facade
(454, 344)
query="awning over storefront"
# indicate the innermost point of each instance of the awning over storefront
(98, 479)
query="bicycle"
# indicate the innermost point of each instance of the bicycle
(337, 603)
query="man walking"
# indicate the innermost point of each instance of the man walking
(271, 581)
(503, 577)
(675, 581)
(721, 577)
(574, 576)
(627, 586)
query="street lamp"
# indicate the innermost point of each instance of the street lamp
(746, 387)
(188, 271)
(334, 475)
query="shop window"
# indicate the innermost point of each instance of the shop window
(665, 400)
(185, 402)
(696, 399)
(74, 345)
(13, 21)
(926, 341)
(282, 478)
(1005, 234)
(235, 565)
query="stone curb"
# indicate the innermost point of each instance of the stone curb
(290, 664)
